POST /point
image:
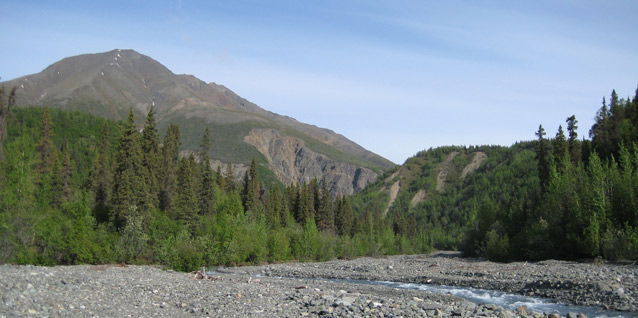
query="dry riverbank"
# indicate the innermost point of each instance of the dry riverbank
(146, 291)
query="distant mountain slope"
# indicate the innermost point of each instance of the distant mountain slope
(108, 84)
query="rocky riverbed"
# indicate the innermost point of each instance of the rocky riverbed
(274, 291)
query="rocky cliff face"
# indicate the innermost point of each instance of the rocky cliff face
(293, 162)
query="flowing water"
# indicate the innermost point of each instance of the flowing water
(506, 300)
(503, 299)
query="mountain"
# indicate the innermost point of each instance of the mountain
(108, 84)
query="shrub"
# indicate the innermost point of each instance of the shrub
(496, 246)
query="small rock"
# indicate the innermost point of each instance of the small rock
(505, 314)
(374, 304)
(522, 310)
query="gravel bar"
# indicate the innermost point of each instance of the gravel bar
(288, 290)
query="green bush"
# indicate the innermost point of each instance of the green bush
(278, 246)
(496, 246)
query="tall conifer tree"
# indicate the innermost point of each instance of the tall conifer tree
(325, 213)
(170, 161)
(572, 143)
(186, 204)
(5, 115)
(151, 158)
(47, 153)
(252, 195)
(344, 217)
(220, 180)
(67, 174)
(542, 155)
(560, 145)
(56, 190)
(207, 184)
(100, 177)
(129, 185)
(230, 178)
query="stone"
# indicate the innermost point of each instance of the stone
(522, 310)
(505, 314)
(374, 304)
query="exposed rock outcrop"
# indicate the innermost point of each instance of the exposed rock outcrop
(394, 190)
(294, 162)
(478, 158)
(441, 178)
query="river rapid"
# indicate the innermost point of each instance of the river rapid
(596, 290)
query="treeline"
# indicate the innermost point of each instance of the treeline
(81, 189)
(586, 201)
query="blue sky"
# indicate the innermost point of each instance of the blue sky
(396, 77)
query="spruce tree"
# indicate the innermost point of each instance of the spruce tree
(47, 153)
(302, 204)
(5, 115)
(129, 184)
(274, 207)
(100, 178)
(572, 144)
(542, 155)
(206, 186)
(151, 158)
(252, 195)
(560, 145)
(66, 175)
(230, 178)
(220, 180)
(170, 161)
(325, 213)
(56, 190)
(344, 217)
(185, 207)
(600, 132)
(204, 147)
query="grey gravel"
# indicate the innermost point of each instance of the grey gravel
(148, 291)
(611, 286)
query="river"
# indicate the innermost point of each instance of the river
(503, 299)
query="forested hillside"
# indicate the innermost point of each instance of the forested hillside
(563, 197)
(75, 188)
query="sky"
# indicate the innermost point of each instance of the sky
(396, 77)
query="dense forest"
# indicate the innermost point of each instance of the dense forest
(561, 197)
(75, 188)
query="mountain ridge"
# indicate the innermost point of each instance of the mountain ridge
(108, 84)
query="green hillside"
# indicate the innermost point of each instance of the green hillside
(560, 197)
